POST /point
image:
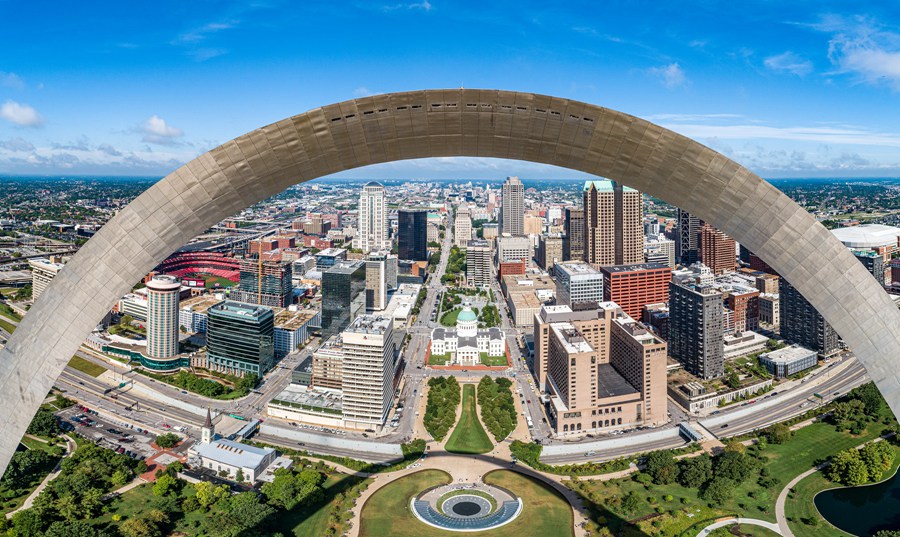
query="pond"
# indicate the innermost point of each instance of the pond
(863, 510)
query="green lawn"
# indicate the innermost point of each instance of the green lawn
(449, 318)
(493, 360)
(747, 530)
(8, 326)
(438, 359)
(85, 366)
(468, 435)
(546, 513)
(313, 519)
(9, 313)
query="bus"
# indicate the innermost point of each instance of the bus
(238, 417)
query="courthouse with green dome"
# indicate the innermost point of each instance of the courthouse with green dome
(466, 343)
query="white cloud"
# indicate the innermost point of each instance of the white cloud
(157, 131)
(862, 47)
(425, 5)
(201, 33)
(20, 114)
(789, 62)
(362, 91)
(828, 135)
(16, 145)
(11, 80)
(671, 75)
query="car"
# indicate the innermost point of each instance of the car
(836, 393)
(723, 426)
(590, 453)
(529, 401)
(182, 391)
(716, 412)
(120, 450)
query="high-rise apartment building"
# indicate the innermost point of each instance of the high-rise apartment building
(478, 263)
(512, 208)
(687, 245)
(162, 316)
(696, 328)
(802, 324)
(462, 226)
(744, 302)
(573, 243)
(550, 250)
(328, 364)
(240, 338)
(634, 286)
(717, 250)
(412, 234)
(601, 369)
(263, 282)
(613, 224)
(42, 272)
(874, 263)
(343, 296)
(373, 221)
(369, 369)
(577, 282)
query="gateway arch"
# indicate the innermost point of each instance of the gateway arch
(437, 123)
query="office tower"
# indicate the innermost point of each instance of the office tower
(634, 286)
(162, 316)
(512, 208)
(369, 370)
(874, 263)
(381, 276)
(803, 324)
(577, 282)
(744, 302)
(462, 226)
(573, 246)
(601, 369)
(42, 272)
(514, 249)
(478, 263)
(316, 225)
(412, 234)
(532, 224)
(267, 283)
(550, 250)
(343, 296)
(490, 230)
(717, 250)
(659, 249)
(770, 309)
(328, 364)
(433, 233)
(696, 328)
(613, 227)
(687, 246)
(240, 338)
(329, 257)
(373, 222)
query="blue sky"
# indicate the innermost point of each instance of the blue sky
(789, 89)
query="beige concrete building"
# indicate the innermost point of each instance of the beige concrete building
(381, 276)
(533, 224)
(526, 294)
(42, 272)
(368, 372)
(512, 207)
(550, 250)
(613, 224)
(162, 316)
(328, 364)
(462, 226)
(603, 371)
(373, 221)
(478, 263)
(770, 309)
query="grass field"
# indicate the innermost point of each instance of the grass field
(493, 360)
(387, 512)
(313, 519)
(9, 313)
(89, 368)
(8, 326)
(746, 530)
(449, 318)
(438, 359)
(468, 435)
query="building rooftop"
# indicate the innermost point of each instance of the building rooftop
(233, 453)
(611, 384)
(571, 339)
(240, 309)
(605, 185)
(574, 268)
(327, 400)
(369, 324)
(788, 354)
(200, 303)
(867, 235)
(292, 320)
(331, 252)
(636, 267)
(346, 267)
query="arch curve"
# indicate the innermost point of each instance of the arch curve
(436, 123)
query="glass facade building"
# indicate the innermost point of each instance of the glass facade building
(343, 296)
(240, 338)
(412, 234)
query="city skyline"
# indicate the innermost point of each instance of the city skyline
(793, 91)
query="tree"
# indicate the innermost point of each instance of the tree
(693, 472)
(126, 321)
(239, 476)
(168, 440)
(119, 478)
(778, 433)
(718, 490)
(289, 490)
(870, 397)
(44, 423)
(631, 503)
(848, 414)
(241, 512)
(878, 457)
(735, 467)
(733, 380)
(209, 494)
(661, 467)
(27, 522)
(164, 485)
(139, 527)
(848, 468)
(78, 528)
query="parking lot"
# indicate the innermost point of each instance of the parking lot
(118, 436)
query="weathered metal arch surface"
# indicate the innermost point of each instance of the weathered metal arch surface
(436, 123)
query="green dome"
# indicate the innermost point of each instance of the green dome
(466, 315)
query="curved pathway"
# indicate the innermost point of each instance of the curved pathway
(784, 529)
(751, 521)
(29, 501)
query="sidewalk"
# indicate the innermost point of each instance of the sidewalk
(71, 446)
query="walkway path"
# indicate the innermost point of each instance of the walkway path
(752, 521)
(782, 498)
(29, 501)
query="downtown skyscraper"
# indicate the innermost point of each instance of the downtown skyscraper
(412, 234)
(373, 223)
(512, 207)
(613, 224)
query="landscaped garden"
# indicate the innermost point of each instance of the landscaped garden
(86, 366)
(208, 387)
(545, 512)
(440, 409)
(498, 411)
(468, 435)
